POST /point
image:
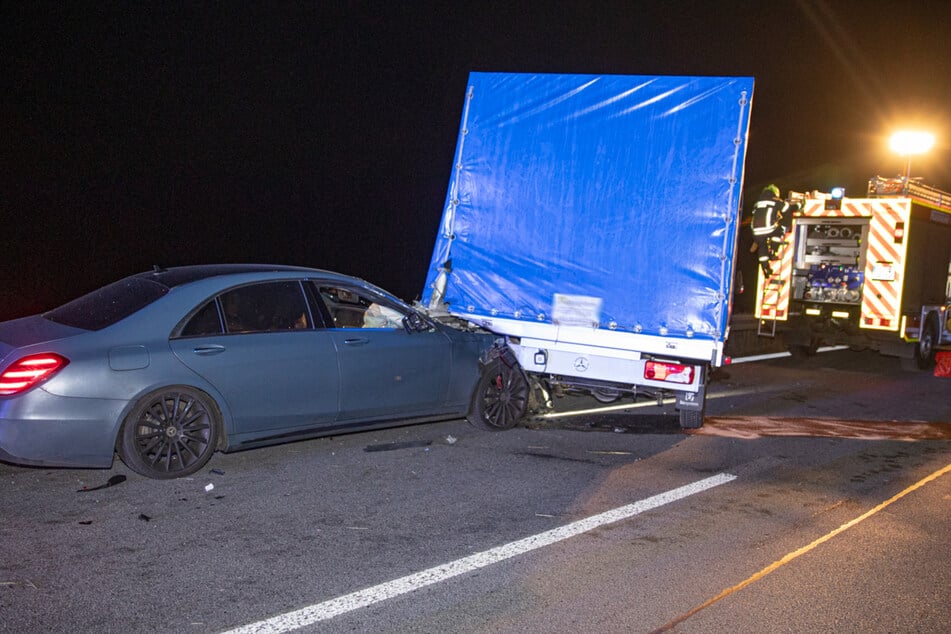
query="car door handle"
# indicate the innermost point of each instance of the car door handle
(208, 350)
(356, 341)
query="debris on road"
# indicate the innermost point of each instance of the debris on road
(26, 582)
(390, 446)
(610, 453)
(116, 479)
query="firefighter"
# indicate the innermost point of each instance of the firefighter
(770, 223)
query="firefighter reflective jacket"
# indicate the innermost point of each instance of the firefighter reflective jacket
(767, 216)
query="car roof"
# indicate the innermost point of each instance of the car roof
(179, 275)
(121, 299)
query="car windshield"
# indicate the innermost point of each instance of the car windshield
(107, 305)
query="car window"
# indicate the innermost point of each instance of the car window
(109, 304)
(205, 322)
(350, 308)
(268, 307)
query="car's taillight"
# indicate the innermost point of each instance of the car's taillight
(30, 371)
(670, 372)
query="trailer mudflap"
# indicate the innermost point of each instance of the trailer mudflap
(693, 401)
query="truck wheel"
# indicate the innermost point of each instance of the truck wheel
(501, 397)
(691, 419)
(605, 394)
(804, 351)
(924, 353)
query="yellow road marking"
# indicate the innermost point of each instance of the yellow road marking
(801, 551)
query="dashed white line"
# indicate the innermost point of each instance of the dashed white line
(780, 355)
(375, 594)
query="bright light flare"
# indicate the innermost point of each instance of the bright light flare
(908, 142)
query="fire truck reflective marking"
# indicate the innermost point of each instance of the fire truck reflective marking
(881, 298)
(774, 300)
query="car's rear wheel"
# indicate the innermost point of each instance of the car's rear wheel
(170, 433)
(501, 397)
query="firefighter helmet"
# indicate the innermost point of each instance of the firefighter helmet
(772, 189)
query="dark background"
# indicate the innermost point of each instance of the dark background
(322, 133)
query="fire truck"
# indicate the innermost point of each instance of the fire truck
(872, 272)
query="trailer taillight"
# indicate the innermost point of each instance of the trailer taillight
(670, 372)
(899, 232)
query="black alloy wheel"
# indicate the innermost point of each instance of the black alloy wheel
(171, 433)
(501, 397)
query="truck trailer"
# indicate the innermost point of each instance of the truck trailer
(871, 272)
(591, 222)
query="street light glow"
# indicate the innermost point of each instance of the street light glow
(908, 142)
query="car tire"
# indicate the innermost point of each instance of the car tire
(170, 433)
(925, 350)
(501, 397)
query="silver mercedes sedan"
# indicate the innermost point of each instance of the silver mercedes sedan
(165, 367)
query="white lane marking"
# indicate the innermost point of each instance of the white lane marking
(758, 357)
(668, 401)
(627, 406)
(780, 355)
(369, 596)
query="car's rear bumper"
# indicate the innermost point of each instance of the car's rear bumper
(41, 429)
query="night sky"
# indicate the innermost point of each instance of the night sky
(322, 133)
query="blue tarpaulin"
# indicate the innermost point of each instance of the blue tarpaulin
(622, 189)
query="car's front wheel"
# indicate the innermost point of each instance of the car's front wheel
(170, 433)
(501, 396)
